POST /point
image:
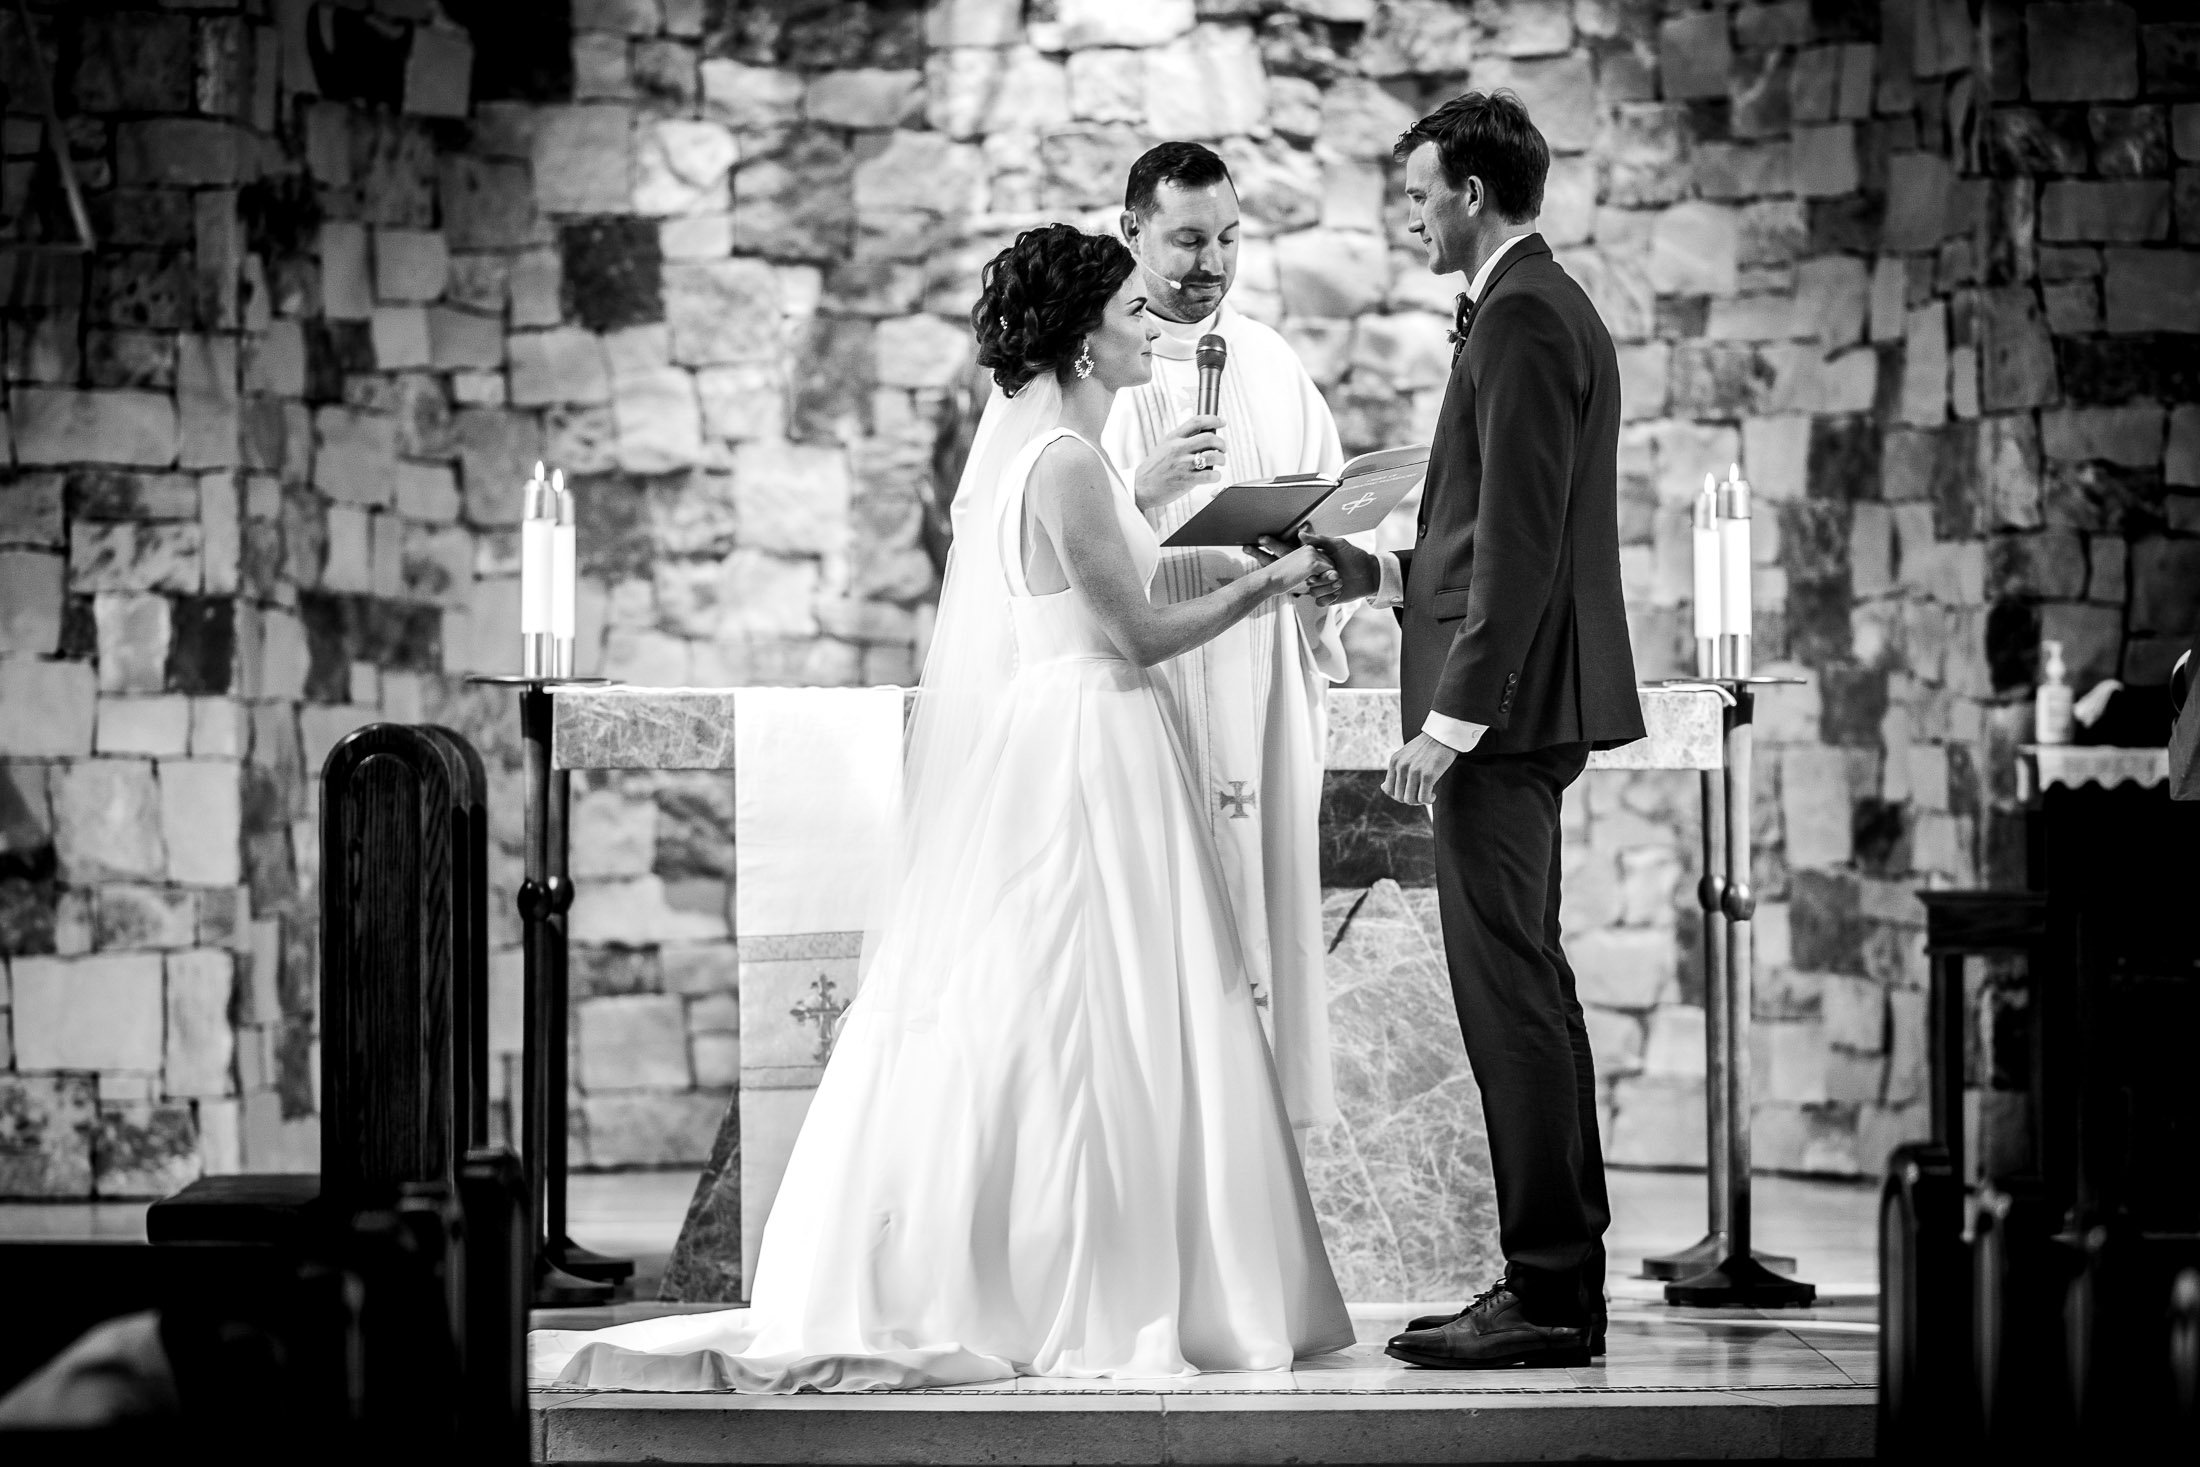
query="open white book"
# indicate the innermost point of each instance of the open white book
(1359, 497)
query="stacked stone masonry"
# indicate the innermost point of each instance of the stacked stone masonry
(1929, 270)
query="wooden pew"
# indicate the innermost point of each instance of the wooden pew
(424, 1232)
(404, 960)
(2053, 1303)
(370, 1337)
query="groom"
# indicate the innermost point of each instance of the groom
(1514, 665)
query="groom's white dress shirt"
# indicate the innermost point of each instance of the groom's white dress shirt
(1455, 733)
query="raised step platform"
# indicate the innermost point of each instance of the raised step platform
(1674, 1385)
(1819, 1425)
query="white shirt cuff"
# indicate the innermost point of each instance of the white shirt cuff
(1391, 589)
(1453, 733)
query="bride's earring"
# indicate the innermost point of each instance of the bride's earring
(1083, 365)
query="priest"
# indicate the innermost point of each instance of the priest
(1250, 705)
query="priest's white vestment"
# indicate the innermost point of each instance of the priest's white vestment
(1251, 705)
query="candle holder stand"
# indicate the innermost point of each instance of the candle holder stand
(1723, 1268)
(564, 1273)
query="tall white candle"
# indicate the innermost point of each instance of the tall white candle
(564, 568)
(1735, 607)
(1705, 539)
(536, 515)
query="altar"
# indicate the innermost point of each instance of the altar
(1401, 1181)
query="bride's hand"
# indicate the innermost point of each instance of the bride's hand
(1299, 569)
(1272, 552)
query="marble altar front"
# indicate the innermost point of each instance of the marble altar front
(1401, 1181)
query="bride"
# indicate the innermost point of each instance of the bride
(1050, 1140)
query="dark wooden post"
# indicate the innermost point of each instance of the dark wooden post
(403, 981)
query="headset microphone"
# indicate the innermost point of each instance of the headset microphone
(1135, 238)
(1156, 274)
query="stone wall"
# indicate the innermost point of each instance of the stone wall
(1924, 268)
(257, 492)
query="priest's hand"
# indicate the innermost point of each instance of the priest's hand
(1359, 574)
(1173, 469)
(1415, 769)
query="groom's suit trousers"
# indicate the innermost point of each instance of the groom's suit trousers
(1497, 885)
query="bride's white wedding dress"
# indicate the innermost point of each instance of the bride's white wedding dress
(1050, 1140)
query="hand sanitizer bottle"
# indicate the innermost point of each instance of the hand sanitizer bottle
(2051, 707)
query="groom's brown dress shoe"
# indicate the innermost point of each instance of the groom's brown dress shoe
(1491, 1332)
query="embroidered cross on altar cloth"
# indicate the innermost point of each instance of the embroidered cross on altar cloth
(824, 1011)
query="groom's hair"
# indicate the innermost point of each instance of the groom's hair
(1187, 165)
(1487, 136)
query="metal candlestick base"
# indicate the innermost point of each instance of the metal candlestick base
(588, 1264)
(1740, 1283)
(1703, 1256)
(557, 1289)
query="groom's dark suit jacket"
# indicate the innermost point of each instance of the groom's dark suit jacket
(1513, 615)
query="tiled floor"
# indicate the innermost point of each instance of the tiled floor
(1643, 1355)
(74, 1222)
(633, 1215)
(1827, 1226)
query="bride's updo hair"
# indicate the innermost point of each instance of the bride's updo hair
(1042, 296)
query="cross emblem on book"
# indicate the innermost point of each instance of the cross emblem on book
(824, 1011)
(1237, 801)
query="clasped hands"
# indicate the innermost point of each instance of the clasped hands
(1342, 571)
(1337, 572)
(1351, 574)
(1306, 566)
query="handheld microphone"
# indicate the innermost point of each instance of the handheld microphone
(1211, 356)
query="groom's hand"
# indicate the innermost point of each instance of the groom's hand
(1415, 769)
(1358, 575)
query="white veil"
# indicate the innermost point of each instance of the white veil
(973, 651)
